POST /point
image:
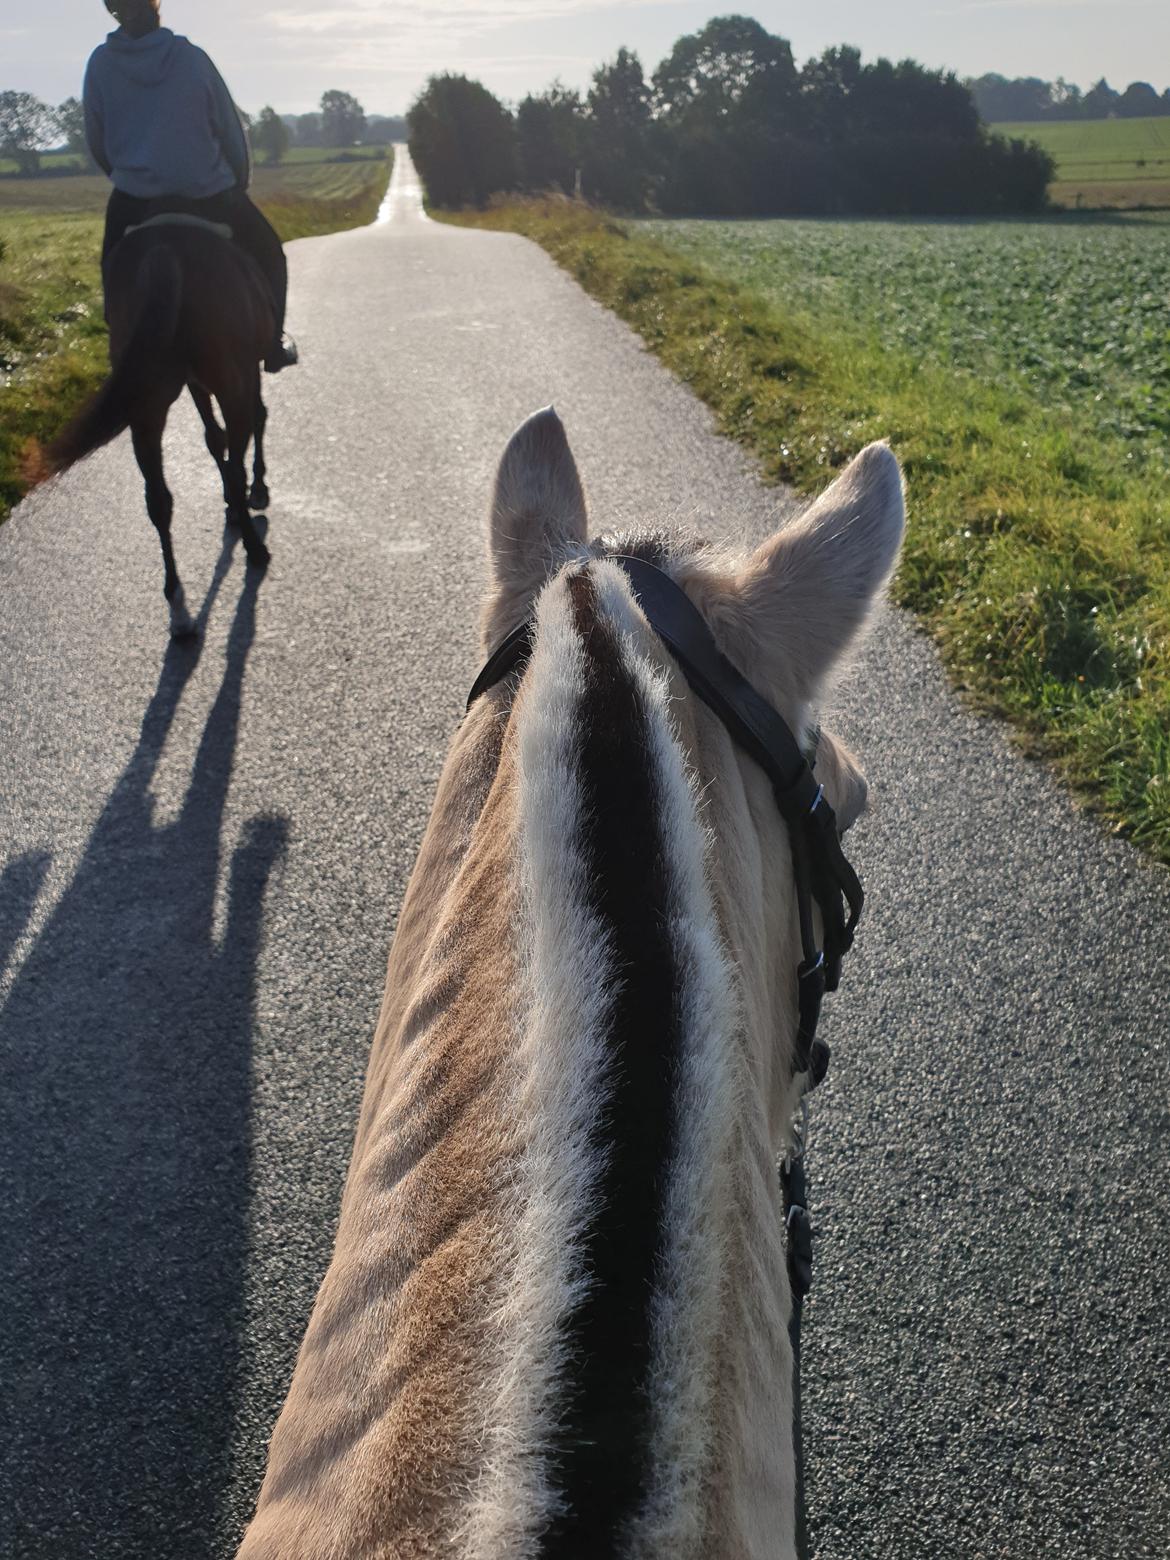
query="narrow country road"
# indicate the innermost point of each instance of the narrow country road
(202, 853)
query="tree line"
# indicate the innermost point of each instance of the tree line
(339, 124)
(29, 127)
(1001, 100)
(341, 121)
(729, 125)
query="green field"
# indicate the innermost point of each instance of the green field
(1104, 162)
(52, 336)
(294, 155)
(1020, 371)
(1075, 311)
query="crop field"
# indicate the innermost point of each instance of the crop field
(1019, 369)
(52, 335)
(1075, 312)
(1107, 162)
(54, 162)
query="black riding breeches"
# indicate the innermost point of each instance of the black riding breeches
(250, 228)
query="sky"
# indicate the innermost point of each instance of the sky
(287, 52)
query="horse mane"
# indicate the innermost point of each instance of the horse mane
(626, 1039)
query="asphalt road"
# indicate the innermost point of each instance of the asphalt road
(202, 852)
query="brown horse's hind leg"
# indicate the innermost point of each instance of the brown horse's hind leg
(160, 505)
(238, 417)
(258, 497)
(213, 435)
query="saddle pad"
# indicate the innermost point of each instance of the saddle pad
(183, 219)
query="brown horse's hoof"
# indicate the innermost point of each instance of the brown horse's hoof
(258, 498)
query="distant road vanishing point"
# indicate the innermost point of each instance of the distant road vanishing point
(202, 853)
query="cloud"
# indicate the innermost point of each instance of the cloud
(966, 7)
(468, 18)
(363, 37)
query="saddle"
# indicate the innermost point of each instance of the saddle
(182, 219)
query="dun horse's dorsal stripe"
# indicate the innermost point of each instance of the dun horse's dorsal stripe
(603, 1440)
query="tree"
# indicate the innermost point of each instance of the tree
(270, 135)
(1100, 101)
(549, 133)
(383, 131)
(70, 117)
(1000, 100)
(1138, 101)
(26, 126)
(1067, 99)
(909, 99)
(462, 141)
(343, 119)
(308, 130)
(617, 159)
(712, 71)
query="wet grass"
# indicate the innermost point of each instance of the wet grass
(1038, 553)
(52, 335)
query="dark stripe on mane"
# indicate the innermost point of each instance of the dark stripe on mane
(604, 1442)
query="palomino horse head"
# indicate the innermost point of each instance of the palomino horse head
(555, 1321)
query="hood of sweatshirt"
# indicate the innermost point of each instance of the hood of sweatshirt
(145, 61)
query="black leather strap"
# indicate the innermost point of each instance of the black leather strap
(503, 661)
(822, 872)
(749, 717)
(821, 867)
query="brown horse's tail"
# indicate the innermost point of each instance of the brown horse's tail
(159, 281)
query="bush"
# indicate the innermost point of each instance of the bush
(462, 141)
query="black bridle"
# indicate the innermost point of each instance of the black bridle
(823, 876)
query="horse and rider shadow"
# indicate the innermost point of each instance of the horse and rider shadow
(125, 1151)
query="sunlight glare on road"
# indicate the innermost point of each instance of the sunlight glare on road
(404, 198)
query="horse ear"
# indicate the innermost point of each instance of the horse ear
(538, 519)
(807, 592)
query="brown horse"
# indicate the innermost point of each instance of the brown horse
(186, 308)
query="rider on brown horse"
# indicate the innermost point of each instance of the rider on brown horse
(161, 123)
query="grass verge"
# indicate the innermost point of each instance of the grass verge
(1038, 552)
(52, 334)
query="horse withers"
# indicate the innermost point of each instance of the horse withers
(188, 308)
(555, 1322)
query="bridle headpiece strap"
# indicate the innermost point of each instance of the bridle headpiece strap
(822, 873)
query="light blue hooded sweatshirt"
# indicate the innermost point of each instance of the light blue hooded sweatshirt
(159, 119)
